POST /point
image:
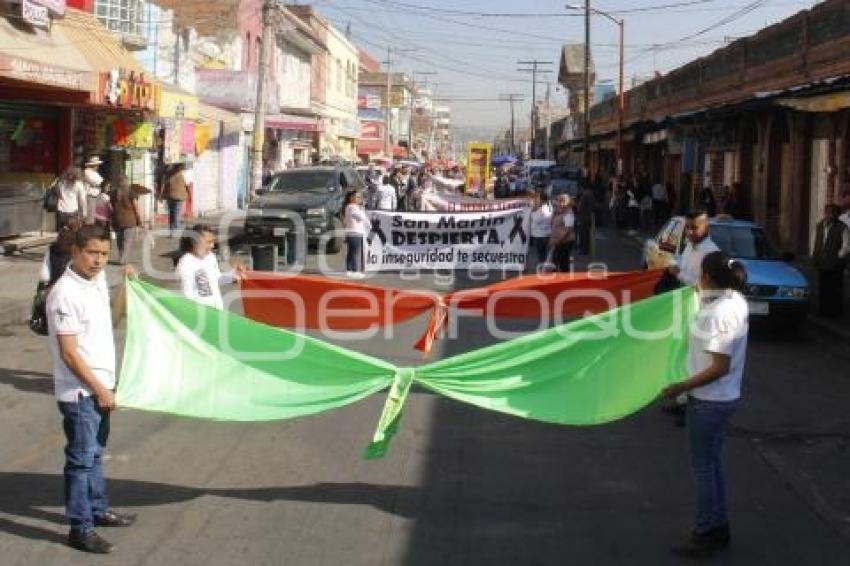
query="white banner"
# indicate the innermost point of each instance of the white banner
(447, 202)
(485, 240)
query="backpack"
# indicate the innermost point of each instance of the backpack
(51, 197)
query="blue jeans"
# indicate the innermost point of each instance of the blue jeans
(86, 432)
(354, 255)
(175, 209)
(706, 427)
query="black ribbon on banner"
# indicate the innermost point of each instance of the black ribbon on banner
(376, 231)
(518, 230)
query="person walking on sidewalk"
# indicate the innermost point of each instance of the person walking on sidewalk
(82, 345)
(72, 198)
(717, 350)
(93, 182)
(357, 226)
(832, 247)
(125, 216)
(197, 267)
(175, 192)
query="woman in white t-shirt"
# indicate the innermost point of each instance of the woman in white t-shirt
(357, 226)
(717, 349)
(198, 270)
(541, 226)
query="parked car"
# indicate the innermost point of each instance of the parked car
(775, 289)
(316, 194)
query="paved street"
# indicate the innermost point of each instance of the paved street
(460, 485)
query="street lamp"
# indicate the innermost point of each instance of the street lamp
(621, 103)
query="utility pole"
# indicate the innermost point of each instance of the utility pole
(587, 88)
(413, 92)
(533, 67)
(548, 124)
(512, 98)
(387, 117)
(259, 137)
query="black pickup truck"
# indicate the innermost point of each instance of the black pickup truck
(316, 194)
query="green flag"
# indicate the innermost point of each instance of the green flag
(190, 360)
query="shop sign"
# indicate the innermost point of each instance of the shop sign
(234, 90)
(349, 129)
(178, 105)
(56, 7)
(41, 73)
(371, 130)
(131, 90)
(34, 14)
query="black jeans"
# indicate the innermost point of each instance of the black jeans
(541, 247)
(354, 255)
(561, 255)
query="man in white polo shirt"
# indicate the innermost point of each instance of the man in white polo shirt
(80, 322)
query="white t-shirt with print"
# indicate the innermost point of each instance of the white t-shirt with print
(691, 262)
(720, 327)
(200, 279)
(80, 307)
(541, 221)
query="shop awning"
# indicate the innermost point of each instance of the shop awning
(102, 50)
(292, 122)
(43, 58)
(831, 102)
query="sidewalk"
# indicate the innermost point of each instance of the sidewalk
(19, 274)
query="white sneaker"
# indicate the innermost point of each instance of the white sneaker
(358, 275)
(349, 274)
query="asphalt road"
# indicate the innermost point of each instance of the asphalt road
(460, 486)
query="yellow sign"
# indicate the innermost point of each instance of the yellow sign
(832, 102)
(478, 167)
(178, 105)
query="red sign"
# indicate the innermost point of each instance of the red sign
(132, 90)
(371, 130)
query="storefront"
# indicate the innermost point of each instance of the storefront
(289, 140)
(42, 77)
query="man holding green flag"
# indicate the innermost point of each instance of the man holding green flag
(80, 322)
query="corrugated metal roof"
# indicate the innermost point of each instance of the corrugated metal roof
(102, 50)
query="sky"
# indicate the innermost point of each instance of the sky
(474, 46)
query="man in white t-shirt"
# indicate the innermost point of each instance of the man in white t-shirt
(198, 270)
(386, 198)
(80, 322)
(699, 245)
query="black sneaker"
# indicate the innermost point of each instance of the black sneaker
(89, 541)
(114, 519)
(720, 535)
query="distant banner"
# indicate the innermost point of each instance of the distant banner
(492, 240)
(445, 184)
(443, 202)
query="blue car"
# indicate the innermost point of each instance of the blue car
(775, 289)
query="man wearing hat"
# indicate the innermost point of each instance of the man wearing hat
(93, 183)
(563, 235)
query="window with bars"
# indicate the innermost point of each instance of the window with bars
(122, 16)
